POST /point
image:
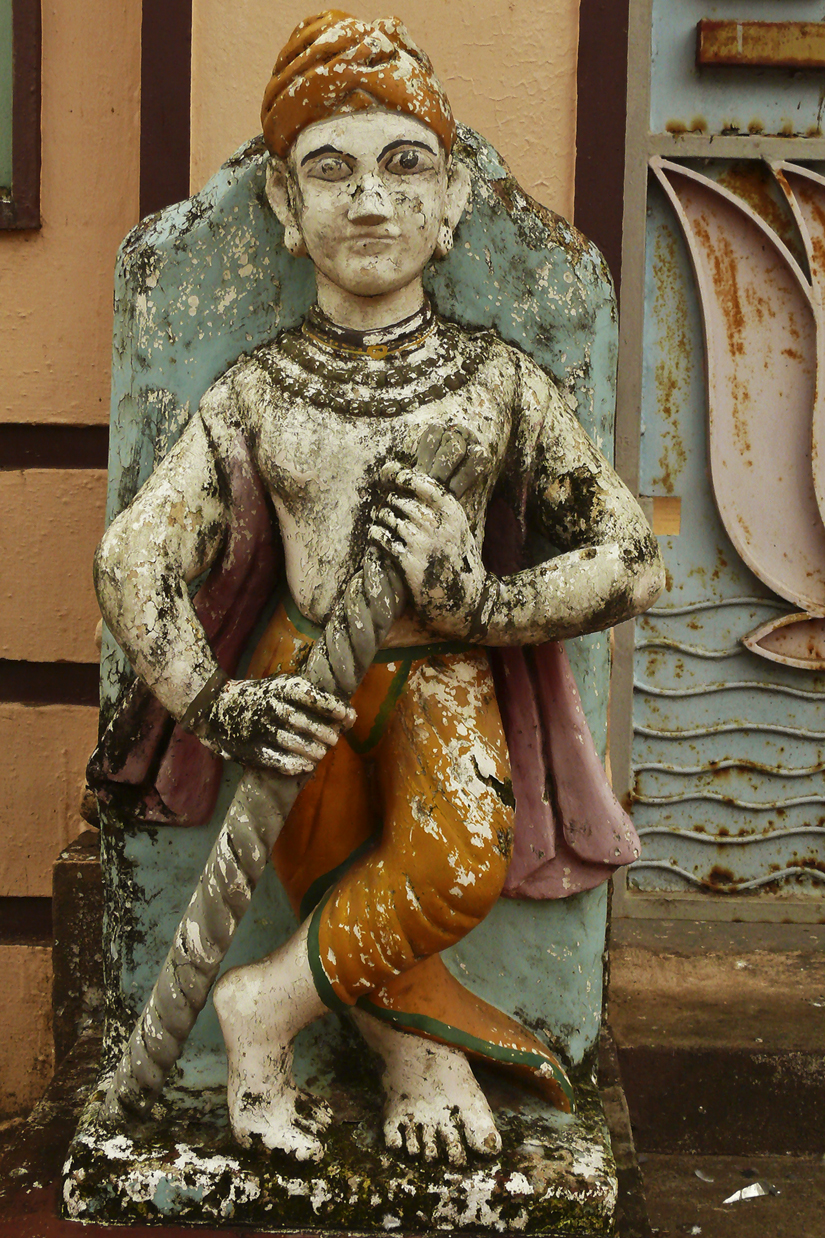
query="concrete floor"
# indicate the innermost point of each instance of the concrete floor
(720, 1032)
(680, 1202)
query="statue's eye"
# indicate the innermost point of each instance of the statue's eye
(409, 162)
(331, 168)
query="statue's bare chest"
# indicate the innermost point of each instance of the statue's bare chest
(320, 446)
(311, 455)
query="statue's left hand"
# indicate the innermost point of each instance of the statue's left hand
(424, 528)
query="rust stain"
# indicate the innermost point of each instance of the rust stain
(815, 206)
(672, 372)
(752, 182)
(779, 44)
(741, 301)
(719, 877)
(679, 127)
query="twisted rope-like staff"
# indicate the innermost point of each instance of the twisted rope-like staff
(373, 600)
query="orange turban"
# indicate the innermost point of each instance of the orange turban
(334, 60)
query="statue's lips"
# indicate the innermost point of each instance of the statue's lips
(372, 244)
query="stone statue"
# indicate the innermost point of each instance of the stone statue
(385, 441)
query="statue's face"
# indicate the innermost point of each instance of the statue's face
(371, 196)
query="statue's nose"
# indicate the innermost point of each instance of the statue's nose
(371, 203)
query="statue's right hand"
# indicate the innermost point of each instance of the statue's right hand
(282, 722)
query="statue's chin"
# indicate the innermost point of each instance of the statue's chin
(372, 275)
(366, 284)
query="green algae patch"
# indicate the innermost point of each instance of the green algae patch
(555, 1174)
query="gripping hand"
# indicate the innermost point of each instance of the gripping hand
(281, 723)
(424, 528)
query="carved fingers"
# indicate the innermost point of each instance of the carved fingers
(424, 528)
(282, 722)
(450, 457)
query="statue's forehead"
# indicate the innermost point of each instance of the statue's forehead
(364, 132)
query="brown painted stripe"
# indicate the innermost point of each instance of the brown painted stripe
(49, 683)
(23, 211)
(25, 921)
(600, 126)
(165, 84)
(53, 447)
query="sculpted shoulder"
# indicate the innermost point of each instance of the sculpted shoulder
(230, 404)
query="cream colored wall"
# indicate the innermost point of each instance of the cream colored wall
(26, 1047)
(55, 348)
(509, 67)
(55, 308)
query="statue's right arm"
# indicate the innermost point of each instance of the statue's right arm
(171, 532)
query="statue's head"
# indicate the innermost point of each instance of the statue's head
(361, 137)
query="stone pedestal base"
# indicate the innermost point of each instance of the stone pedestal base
(554, 1176)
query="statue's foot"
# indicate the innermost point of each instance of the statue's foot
(266, 1107)
(433, 1103)
(279, 1118)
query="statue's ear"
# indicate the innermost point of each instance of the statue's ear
(280, 199)
(458, 192)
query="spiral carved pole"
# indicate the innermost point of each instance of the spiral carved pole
(373, 600)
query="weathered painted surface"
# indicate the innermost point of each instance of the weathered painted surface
(728, 747)
(778, 44)
(687, 97)
(763, 337)
(555, 1174)
(234, 266)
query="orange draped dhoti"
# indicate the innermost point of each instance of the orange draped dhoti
(399, 845)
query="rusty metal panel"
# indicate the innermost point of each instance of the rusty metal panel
(783, 44)
(687, 97)
(760, 342)
(729, 745)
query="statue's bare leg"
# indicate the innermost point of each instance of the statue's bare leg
(433, 1104)
(261, 1008)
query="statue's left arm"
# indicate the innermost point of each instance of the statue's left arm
(608, 569)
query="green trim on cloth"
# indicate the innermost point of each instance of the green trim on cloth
(322, 985)
(402, 653)
(463, 1040)
(397, 685)
(323, 884)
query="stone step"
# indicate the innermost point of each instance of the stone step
(720, 1033)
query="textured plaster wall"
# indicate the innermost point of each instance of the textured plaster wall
(54, 519)
(509, 67)
(55, 356)
(25, 1026)
(56, 284)
(45, 749)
